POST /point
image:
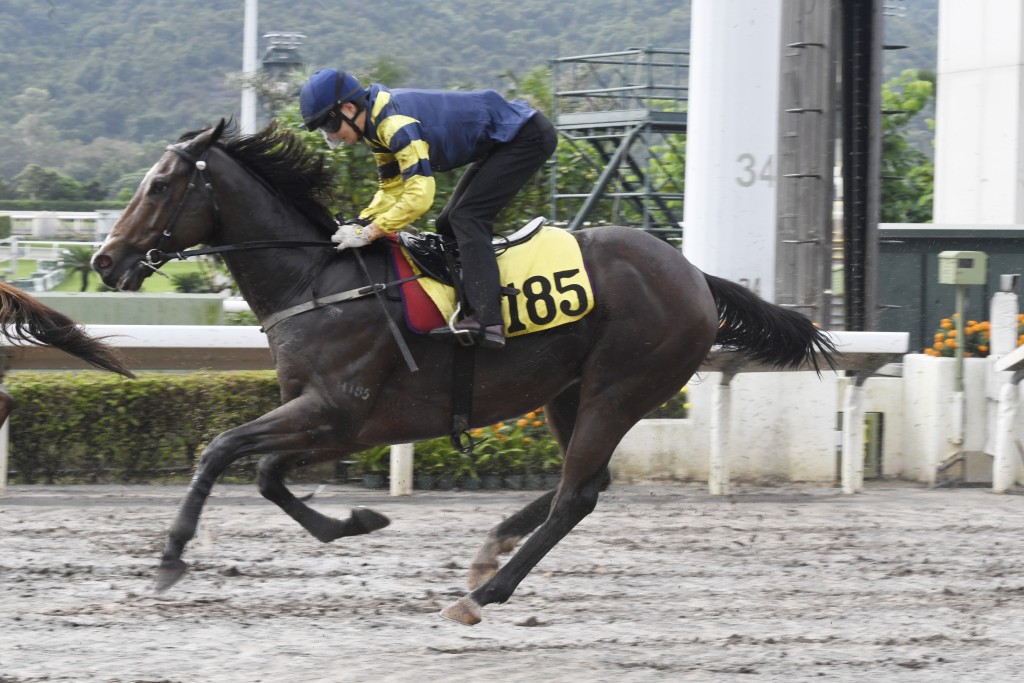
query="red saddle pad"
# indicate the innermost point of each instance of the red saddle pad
(421, 314)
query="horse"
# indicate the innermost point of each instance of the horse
(26, 320)
(261, 201)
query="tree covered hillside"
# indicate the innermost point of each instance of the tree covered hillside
(140, 72)
(94, 89)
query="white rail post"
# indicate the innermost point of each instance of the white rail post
(5, 432)
(852, 458)
(401, 469)
(718, 465)
(1004, 463)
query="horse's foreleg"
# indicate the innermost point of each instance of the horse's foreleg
(214, 460)
(271, 471)
(285, 429)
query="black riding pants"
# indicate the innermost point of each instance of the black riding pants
(486, 188)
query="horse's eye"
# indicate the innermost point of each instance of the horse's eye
(158, 187)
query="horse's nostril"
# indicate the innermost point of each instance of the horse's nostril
(102, 261)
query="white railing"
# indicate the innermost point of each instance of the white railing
(193, 347)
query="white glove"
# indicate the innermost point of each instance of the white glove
(351, 235)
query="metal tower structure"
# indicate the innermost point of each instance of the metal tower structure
(623, 115)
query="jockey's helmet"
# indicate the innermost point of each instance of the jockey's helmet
(323, 94)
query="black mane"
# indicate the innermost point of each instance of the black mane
(282, 161)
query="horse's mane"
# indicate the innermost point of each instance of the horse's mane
(281, 160)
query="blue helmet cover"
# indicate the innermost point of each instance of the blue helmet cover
(324, 90)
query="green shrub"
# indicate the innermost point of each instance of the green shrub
(95, 427)
(5, 227)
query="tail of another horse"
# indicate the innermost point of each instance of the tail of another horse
(765, 332)
(25, 319)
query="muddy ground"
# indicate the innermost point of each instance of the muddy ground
(661, 583)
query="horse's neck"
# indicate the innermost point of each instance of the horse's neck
(274, 278)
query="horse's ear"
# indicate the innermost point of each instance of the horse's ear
(219, 130)
(205, 139)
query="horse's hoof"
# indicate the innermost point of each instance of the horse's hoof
(465, 610)
(369, 520)
(480, 573)
(169, 573)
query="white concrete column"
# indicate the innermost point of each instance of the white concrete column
(732, 140)
(979, 123)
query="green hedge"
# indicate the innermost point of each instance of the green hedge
(5, 227)
(91, 427)
(96, 427)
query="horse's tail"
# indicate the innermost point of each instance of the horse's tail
(25, 319)
(765, 332)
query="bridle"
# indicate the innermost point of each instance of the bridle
(157, 257)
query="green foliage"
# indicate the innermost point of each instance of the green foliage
(908, 173)
(5, 227)
(94, 90)
(78, 260)
(58, 205)
(88, 426)
(676, 408)
(195, 282)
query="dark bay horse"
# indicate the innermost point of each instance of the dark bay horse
(26, 320)
(344, 383)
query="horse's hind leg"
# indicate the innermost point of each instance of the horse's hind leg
(503, 538)
(271, 471)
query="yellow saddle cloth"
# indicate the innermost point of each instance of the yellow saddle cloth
(548, 273)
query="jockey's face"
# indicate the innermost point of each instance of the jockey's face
(346, 134)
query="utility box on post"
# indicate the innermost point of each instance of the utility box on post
(962, 267)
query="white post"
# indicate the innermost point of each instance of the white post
(249, 46)
(401, 469)
(1004, 464)
(852, 458)
(5, 433)
(718, 465)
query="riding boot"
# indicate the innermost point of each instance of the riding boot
(481, 283)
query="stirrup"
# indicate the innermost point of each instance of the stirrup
(464, 337)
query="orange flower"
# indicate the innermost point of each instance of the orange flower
(982, 348)
(537, 423)
(522, 422)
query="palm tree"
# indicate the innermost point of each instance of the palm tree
(78, 260)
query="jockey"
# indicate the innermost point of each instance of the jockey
(414, 133)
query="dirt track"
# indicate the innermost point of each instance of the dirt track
(661, 583)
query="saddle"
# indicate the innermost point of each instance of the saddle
(435, 255)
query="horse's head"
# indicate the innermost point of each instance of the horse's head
(173, 209)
